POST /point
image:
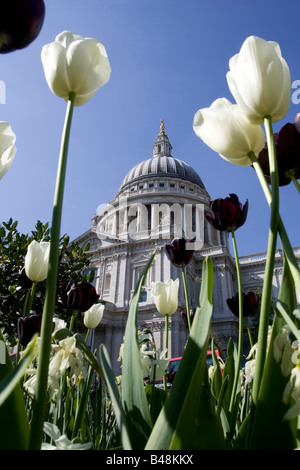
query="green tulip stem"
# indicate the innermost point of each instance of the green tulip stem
(290, 174)
(270, 260)
(31, 297)
(240, 339)
(26, 303)
(186, 298)
(166, 347)
(40, 399)
(285, 242)
(87, 335)
(72, 321)
(249, 333)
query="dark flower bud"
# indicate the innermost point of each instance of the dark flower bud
(79, 297)
(184, 317)
(177, 253)
(24, 280)
(227, 214)
(20, 23)
(287, 144)
(171, 376)
(27, 327)
(250, 304)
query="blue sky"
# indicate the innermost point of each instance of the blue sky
(169, 58)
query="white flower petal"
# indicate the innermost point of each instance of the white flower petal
(223, 129)
(37, 260)
(7, 147)
(93, 316)
(259, 79)
(75, 64)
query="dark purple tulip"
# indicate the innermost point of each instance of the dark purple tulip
(250, 304)
(24, 280)
(177, 253)
(20, 23)
(79, 297)
(227, 214)
(27, 327)
(171, 376)
(184, 317)
(287, 143)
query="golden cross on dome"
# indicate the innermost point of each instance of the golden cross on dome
(162, 126)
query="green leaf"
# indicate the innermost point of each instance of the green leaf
(229, 371)
(198, 426)
(156, 399)
(12, 379)
(270, 430)
(115, 397)
(82, 406)
(89, 356)
(133, 394)
(218, 376)
(187, 412)
(283, 310)
(14, 425)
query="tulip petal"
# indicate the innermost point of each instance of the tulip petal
(54, 63)
(88, 66)
(259, 79)
(37, 260)
(165, 296)
(7, 147)
(223, 129)
(73, 64)
(65, 38)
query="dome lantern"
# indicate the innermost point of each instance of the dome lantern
(162, 146)
(161, 165)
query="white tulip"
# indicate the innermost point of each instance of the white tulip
(93, 316)
(37, 260)
(165, 296)
(7, 147)
(224, 130)
(75, 64)
(260, 81)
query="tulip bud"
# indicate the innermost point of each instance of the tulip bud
(185, 319)
(250, 304)
(287, 144)
(75, 64)
(260, 81)
(7, 147)
(93, 316)
(20, 23)
(78, 297)
(27, 327)
(223, 128)
(171, 377)
(165, 296)
(37, 260)
(177, 253)
(227, 214)
(24, 280)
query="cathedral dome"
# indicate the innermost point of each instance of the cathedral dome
(162, 164)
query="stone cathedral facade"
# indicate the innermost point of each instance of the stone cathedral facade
(160, 198)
